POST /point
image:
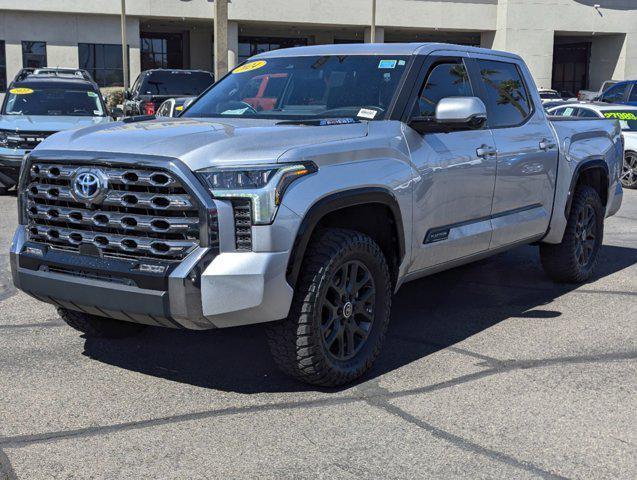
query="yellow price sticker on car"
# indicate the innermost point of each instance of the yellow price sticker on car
(248, 67)
(21, 91)
(179, 108)
(621, 115)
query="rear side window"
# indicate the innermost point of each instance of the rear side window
(444, 80)
(508, 100)
(633, 94)
(615, 94)
(177, 83)
(586, 113)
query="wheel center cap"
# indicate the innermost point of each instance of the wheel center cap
(348, 309)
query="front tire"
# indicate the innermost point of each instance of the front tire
(574, 260)
(629, 170)
(340, 312)
(94, 326)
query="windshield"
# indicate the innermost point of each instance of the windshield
(627, 118)
(301, 88)
(176, 83)
(54, 100)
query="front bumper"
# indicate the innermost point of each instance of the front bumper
(10, 164)
(204, 291)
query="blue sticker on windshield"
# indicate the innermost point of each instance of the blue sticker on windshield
(387, 64)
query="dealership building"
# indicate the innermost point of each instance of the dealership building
(568, 44)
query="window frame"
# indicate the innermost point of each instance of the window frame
(46, 54)
(484, 96)
(3, 67)
(94, 70)
(441, 61)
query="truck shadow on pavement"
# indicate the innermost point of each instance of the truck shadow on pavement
(427, 315)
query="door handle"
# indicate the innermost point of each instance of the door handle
(546, 144)
(485, 151)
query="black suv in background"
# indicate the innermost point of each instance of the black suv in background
(153, 87)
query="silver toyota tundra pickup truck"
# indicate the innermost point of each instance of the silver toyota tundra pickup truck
(303, 189)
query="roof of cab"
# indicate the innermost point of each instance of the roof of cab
(378, 49)
(68, 80)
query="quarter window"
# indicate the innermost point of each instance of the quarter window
(444, 80)
(508, 101)
(633, 93)
(33, 54)
(586, 113)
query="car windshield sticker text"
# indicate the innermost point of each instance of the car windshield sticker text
(387, 64)
(621, 115)
(248, 67)
(367, 113)
(21, 91)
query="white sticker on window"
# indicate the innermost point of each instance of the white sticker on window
(367, 113)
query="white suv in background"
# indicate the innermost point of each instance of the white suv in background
(627, 116)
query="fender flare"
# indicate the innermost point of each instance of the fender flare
(579, 169)
(337, 201)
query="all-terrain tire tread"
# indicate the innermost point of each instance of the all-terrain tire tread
(293, 343)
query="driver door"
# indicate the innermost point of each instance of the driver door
(456, 171)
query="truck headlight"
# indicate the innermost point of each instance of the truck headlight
(264, 185)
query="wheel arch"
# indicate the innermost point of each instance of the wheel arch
(593, 172)
(326, 208)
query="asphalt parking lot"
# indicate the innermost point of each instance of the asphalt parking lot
(489, 371)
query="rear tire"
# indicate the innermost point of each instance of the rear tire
(94, 326)
(340, 312)
(629, 170)
(574, 260)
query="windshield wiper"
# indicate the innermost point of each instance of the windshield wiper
(319, 122)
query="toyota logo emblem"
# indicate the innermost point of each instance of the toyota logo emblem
(89, 184)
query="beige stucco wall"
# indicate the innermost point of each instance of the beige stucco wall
(523, 26)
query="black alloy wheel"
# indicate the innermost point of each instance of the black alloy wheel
(347, 311)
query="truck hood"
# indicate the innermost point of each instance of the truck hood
(47, 123)
(202, 143)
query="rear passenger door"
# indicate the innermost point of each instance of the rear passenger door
(456, 170)
(527, 153)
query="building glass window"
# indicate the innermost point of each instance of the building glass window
(103, 62)
(33, 54)
(250, 46)
(154, 53)
(507, 98)
(3, 68)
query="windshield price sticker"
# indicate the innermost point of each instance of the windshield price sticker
(387, 64)
(367, 113)
(21, 91)
(621, 115)
(248, 67)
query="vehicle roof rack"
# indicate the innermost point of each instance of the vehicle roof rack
(23, 73)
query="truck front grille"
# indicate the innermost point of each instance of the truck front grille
(26, 140)
(142, 212)
(242, 224)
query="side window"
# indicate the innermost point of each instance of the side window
(586, 113)
(508, 101)
(558, 113)
(632, 98)
(444, 80)
(614, 94)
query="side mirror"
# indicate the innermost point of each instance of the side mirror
(453, 114)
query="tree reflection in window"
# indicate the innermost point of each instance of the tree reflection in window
(506, 93)
(444, 80)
